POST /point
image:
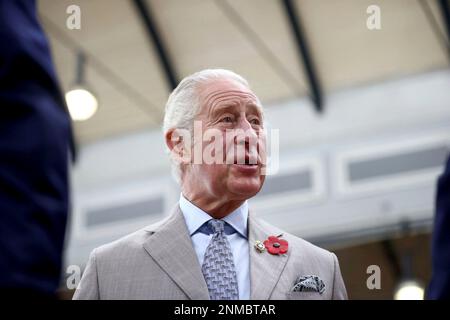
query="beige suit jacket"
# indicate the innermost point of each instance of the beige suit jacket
(159, 262)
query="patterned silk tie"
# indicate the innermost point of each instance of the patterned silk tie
(218, 266)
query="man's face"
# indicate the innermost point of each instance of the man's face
(232, 111)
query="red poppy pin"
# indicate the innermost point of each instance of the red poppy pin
(275, 245)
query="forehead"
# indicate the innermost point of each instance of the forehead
(225, 90)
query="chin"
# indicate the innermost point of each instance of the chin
(246, 187)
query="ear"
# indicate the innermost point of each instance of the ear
(176, 141)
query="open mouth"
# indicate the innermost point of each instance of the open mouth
(247, 161)
(247, 165)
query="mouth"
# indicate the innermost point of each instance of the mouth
(247, 161)
(247, 166)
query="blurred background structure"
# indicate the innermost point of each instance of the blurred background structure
(364, 118)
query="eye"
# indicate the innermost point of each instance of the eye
(255, 121)
(227, 119)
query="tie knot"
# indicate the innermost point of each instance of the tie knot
(217, 226)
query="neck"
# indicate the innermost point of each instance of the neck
(216, 208)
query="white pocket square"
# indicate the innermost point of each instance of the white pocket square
(309, 283)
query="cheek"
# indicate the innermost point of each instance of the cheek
(262, 144)
(262, 178)
(215, 172)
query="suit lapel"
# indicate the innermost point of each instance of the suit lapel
(171, 247)
(265, 268)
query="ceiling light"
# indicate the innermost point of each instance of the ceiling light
(81, 102)
(409, 290)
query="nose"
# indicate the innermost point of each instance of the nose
(249, 133)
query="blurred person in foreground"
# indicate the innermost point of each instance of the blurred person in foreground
(35, 138)
(439, 287)
(212, 246)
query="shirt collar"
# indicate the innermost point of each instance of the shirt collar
(196, 217)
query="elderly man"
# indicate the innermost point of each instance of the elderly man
(212, 246)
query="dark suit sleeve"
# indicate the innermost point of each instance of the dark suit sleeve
(440, 283)
(34, 143)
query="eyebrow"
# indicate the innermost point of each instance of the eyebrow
(253, 108)
(221, 108)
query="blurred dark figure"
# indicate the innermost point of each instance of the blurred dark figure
(440, 282)
(35, 136)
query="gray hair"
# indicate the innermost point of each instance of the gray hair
(184, 104)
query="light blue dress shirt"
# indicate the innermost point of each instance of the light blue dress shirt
(196, 217)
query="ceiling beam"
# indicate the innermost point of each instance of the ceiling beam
(393, 258)
(304, 54)
(445, 12)
(155, 38)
